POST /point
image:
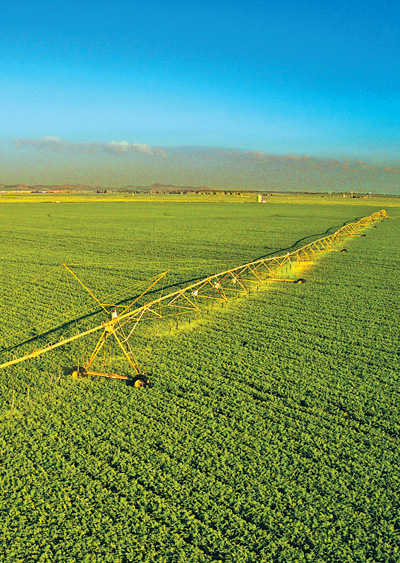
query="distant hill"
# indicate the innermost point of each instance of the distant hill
(170, 188)
(159, 188)
(48, 187)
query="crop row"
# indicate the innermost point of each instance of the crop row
(271, 434)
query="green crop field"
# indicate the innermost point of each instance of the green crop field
(271, 432)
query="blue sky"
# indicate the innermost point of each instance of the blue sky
(300, 77)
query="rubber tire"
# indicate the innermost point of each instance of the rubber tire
(300, 280)
(78, 372)
(139, 382)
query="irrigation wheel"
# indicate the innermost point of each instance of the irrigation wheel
(78, 371)
(300, 280)
(139, 381)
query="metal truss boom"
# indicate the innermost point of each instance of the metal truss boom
(217, 287)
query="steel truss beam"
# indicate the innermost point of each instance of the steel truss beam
(196, 297)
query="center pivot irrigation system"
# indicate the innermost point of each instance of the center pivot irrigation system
(221, 287)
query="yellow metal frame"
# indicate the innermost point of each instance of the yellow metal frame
(195, 297)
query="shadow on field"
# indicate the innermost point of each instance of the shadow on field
(304, 239)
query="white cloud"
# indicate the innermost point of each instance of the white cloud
(47, 143)
(114, 147)
(117, 146)
(256, 154)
